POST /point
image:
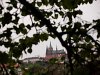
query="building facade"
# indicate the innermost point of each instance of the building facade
(51, 53)
(33, 59)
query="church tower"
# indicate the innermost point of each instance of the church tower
(46, 50)
(50, 47)
(49, 50)
(50, 53)
(56, 48)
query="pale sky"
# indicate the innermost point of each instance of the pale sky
(90, 12)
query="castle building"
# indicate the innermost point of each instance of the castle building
(51, 53)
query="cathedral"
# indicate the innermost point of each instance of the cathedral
(51, 53)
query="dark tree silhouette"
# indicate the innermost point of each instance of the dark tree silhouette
(82, 49)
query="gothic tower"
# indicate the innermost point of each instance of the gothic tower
(50, 47)
(49, 50)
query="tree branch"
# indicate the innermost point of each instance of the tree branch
(46, 22)
(40, 16)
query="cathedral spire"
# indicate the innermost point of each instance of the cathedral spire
(46, 50)
(56, 48)
(50, 47)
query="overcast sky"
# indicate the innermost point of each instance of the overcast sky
(90, 12)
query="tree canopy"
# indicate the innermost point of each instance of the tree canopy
(43, 15)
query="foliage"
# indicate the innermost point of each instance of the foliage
(45, 67)
(81, 47)
(35, 69)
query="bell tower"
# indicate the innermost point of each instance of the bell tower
(49, 50)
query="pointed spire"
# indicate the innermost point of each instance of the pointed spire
(46, 47)
(46, 50)
(56, 48)
(50, 47)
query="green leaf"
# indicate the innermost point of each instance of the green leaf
(69, 15)
(90, 45)
(77, 12)
(22, 28)
(66, 4)
(29, 50)
(28, 26)
(77, 25)
(7, 18)
(53, 36)
(90, 1)
(24, 11)
(16, 29)
(75, 37)
(7, 44)
(51, 2)
(16, 52)
(21, 25)
(63, 28)
(24, 31)
(53, 60)
(43, 36)
(49, 14)
(83, 31)
(87, 39)
(14, 3)
(45, 2)
(0, 11)
(16, 19)
(9, 8)
(35, 39)
(61, 13)
(56, 16)
(39, 3)
(36, 19)
(87, 25)
(7, 33)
